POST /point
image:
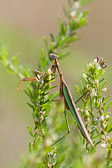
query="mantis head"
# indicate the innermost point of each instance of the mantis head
(53, 56)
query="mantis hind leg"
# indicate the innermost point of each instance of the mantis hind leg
(68, 128)
(82, 96)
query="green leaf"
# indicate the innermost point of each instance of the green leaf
(52, 37)
(43, 60)
(61, 158)
(58, 41)
(3, 53)
(111, 139)
(67, 14)
(31, 106)
(52, 87)
(97, 142)
(61, 25)
(97, 131)
(78, 89)
(30, 147)
(107, 114)
(109, 127)
(107, 106)
(104, 101)
(72, 25)
(101, 85)
(72, 39)
(70, 3)
(99, 73)
(63, 40)
(46, 43)
(30, 130)
(83, 2)
(101, 80)
(81, 160)
(14, 60)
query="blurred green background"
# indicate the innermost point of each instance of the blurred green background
(22, 27)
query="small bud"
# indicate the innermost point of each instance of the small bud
(111, 145)
(35, 121)
(95, 61)
(53, 44)
(104, 89)
(103, 137)
(102, 118)
(79, 110)
(42, 82)
(73, 14)
(34, 126)
(107, 117)
(76, 4)
(32, 144)
(49, 85)
(37, 132)
(86, 107)
(100, 101)
(41, 118)
(90, 65)
(49, 165)
(88, 120)
(96, 81)
(103, 64)
(104, 145)
(42, 113)
(49, 71)
(54, 150)
(88, 129)
(53, 164)
(54, 137)
(98, 67)
(104, 125)
(87, 113)
(54, 155)
(84, 75)
(51, 153)
(93, 93)
(98, 59)
(43, 131)
(107, 138)
(48, 142)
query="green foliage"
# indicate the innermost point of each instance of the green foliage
(94, 109)
(96, 106)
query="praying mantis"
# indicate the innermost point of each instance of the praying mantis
(69, 103)
(66, 96)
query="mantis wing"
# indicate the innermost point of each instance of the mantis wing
(72, 107)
